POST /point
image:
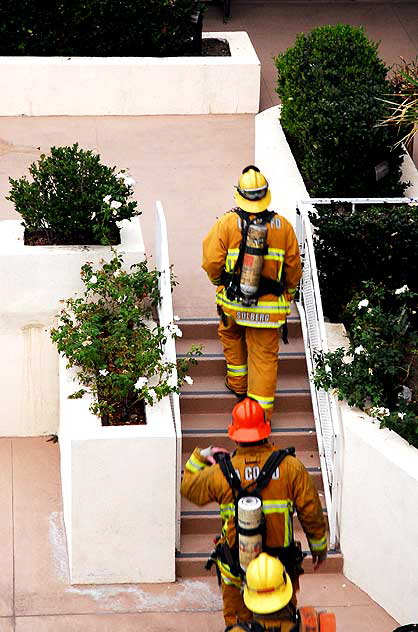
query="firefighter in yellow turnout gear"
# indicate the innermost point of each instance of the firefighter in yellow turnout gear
(289, 489)
(249, 327)
(268, 593)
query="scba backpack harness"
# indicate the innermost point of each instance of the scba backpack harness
(245, 283)
(291, 556)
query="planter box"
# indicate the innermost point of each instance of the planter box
(380, 474)
(119, 492)
(379, 512)
(80, 86)
(33, 279)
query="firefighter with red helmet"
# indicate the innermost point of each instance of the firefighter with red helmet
(288, 488)
(251, 255)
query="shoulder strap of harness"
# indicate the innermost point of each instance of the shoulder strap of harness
(270, 466)
(263, 478)
(230, 474)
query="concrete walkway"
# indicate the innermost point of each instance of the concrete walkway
(191, 164)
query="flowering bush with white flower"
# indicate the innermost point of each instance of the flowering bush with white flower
(73, 199)
(382, 375)
(108, 335)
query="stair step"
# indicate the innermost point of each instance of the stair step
(291, 364)
(206, 520)
(302, 440)
(212, 347)
(203, 542)
(193, 565)
(309, 458)
(215, 384)
(221, 401)
(298, 421)
(194, 328)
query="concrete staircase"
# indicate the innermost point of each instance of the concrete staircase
(206, 412)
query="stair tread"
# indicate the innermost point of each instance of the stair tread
(213, 346)
(203, 542)
(295, 383)
(281, 421)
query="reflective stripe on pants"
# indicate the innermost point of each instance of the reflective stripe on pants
(257, 348)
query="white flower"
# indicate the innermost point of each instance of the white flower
(87, 343)
(370, 371)
(359, 349)
(93, 279)
(402, 289)
(176, 318)
(117, 272)
(107, 199)
(93, 215)
(174, 330)
(140, 383)
(401, 415)
(114, 212)
(188, 379)
(363, 303)
(130, 182)
(120, 175)
(115, 204)
(104, 372)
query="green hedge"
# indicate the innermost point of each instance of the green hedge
(97, 27)
(330, 84)
(365, 244)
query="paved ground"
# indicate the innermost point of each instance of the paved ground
(35, 594)
(191, 164)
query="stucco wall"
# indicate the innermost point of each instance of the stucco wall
(119, 493)
(80, 86)
(33, 279)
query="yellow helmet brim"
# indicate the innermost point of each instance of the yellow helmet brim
(266, 603)
(253, 206)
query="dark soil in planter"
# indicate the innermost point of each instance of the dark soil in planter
(212, 47)
(126, 414)
(43, 237)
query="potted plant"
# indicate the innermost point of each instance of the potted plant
(73, 208)
(109, 336)
(116, 433)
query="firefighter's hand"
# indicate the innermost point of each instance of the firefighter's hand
(318, 559)
(209, 454)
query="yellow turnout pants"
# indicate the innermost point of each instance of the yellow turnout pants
(252, 361)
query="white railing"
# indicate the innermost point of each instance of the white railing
(325, 406)
(165, 314)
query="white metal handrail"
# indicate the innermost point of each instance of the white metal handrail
(325, 405)
(166, 317)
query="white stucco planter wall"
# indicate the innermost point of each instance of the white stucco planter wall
(79, 86)
(379, 508)
(33, 279)
(119, 492)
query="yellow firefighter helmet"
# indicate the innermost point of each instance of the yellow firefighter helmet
(268, 587)
(252, 193)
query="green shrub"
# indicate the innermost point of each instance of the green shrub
(108, 335)
(365, 244)
(72, 199)
(97, 27)
(330, 83)
(377, 372)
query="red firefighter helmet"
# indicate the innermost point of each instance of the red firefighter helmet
(248, 422)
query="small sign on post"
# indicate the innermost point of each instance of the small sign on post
(381, 170)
